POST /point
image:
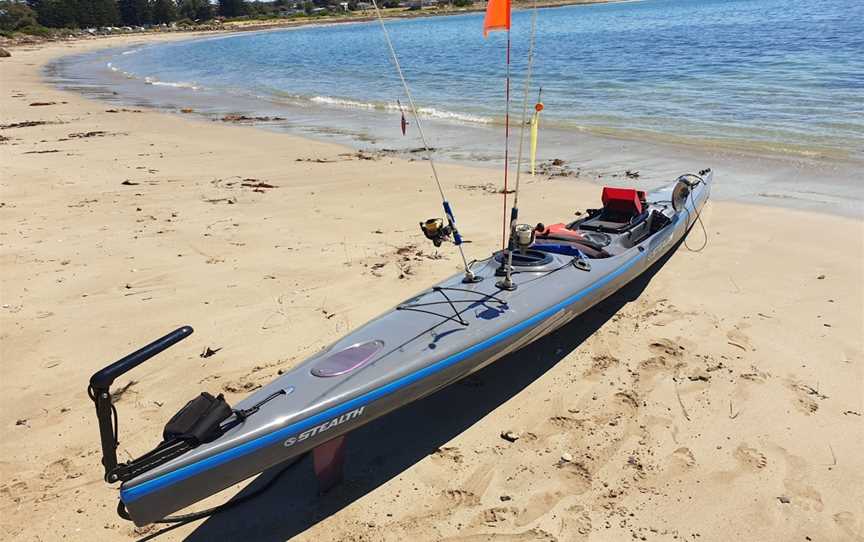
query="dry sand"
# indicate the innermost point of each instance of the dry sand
(719, 400)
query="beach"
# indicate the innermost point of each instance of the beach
(719, 398)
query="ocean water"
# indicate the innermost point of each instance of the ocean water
(773, 76)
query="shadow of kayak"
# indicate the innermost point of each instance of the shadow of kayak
(385, 448)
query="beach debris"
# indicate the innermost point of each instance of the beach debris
(634, 174)
(566, 457)
(784, 499)
(237, 386)
(24, 124)
(820, 277)
(42, 104)
(123, 110)
(187, 110)
(556, 168)
(258, 186)
(486, 188)
(4, 139)
(4, 53)
(117, 394)
(811, 391)
(245, 118)
(82, 135)
(680, 401)
(230, 201)
(315, 160)
(127, 182)
(207, 352)
(510, 436)
(22, 421)
(49, 151)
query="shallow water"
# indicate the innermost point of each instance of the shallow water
(784, 76)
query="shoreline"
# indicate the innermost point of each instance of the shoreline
(263, 25)
(736, 370)
(821, 183)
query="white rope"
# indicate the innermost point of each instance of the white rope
(525, 104)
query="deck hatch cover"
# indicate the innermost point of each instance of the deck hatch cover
(347, 360)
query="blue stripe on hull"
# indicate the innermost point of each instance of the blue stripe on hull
(134, 493)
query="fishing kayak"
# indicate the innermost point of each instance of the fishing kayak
(422, 345)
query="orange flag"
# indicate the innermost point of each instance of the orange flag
(497, 16)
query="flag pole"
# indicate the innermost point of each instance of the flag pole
(506, 142)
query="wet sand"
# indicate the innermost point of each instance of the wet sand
(717, 398)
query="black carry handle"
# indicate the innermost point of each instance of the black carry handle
(100, 392)
(106, 377)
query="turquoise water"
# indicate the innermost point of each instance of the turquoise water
(772, 75)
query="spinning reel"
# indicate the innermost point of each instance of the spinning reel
(437, 231)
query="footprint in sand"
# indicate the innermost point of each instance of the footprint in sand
(538, 506)
(460, 497)
(576, 523)
(498, 514)
(654, 364)
(738, 339)
(449, 452)
(565, 422)
(751, 457)
(683, 459)
(806, 398)
(599, 364)
(667, 347)
(628, 398)
(850, 527)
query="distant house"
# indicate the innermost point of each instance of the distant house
(420, 4)
(363, 6)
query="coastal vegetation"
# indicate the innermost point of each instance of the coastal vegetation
(59, 17)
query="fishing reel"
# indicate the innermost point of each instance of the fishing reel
(523, 236)
(437, 231)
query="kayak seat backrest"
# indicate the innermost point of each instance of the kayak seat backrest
(622, 202)
(623, 209)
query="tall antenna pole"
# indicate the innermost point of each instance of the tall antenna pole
(507, 282)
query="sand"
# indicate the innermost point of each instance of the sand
(719, 399)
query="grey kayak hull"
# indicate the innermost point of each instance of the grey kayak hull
(421, 352)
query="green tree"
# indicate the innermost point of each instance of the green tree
(232, 8)
(135, 12)
(164, 11)
(15, 16)
(196, 10)
(55, 13)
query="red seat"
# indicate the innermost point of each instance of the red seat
(623, 201)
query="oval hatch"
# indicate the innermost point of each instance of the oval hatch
(347, 360)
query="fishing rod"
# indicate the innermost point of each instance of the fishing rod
(434, 229)
(507, 283)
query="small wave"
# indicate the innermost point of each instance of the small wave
(131, 51)
(433, 113)
(342, 102)
(425, 112)
(182, 84)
